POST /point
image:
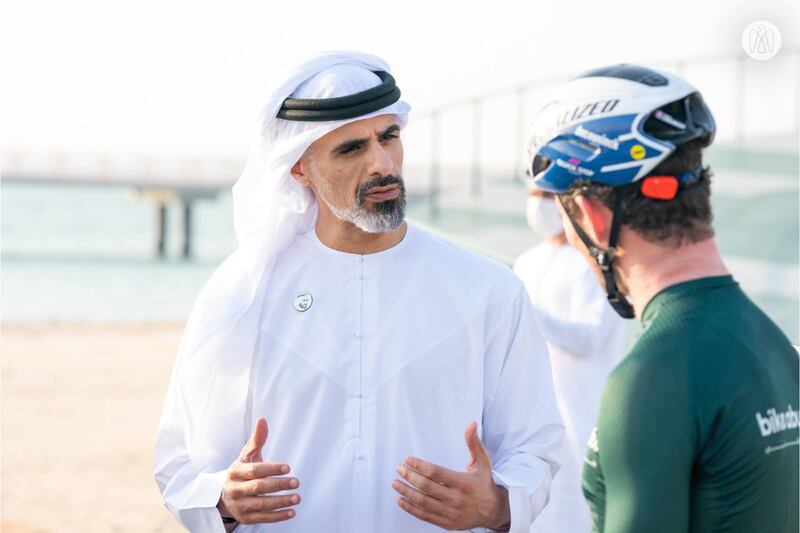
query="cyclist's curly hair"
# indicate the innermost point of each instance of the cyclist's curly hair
(683, 220)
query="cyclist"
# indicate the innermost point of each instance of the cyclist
(698, 425)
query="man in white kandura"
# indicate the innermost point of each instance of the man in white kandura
(406, 383)
(586, 340)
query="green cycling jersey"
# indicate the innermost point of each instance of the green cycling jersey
(698, 426)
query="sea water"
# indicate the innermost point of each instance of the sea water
(78, 253)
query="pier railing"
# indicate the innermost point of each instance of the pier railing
(739, 70)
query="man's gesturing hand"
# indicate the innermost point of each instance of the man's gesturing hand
(250, 477)
(454, 500)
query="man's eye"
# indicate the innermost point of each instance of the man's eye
(349, 150)
(390, 136)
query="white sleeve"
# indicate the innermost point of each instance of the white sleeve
(591, 318)
(522, 429)
(190, 491)
(578, 335)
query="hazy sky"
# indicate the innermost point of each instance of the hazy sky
(189, 77)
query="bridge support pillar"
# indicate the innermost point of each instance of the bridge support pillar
(185, 200)
(187, 228)
(161, 229)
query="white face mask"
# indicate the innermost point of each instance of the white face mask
(543, 217)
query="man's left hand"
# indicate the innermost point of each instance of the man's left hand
(454, 500)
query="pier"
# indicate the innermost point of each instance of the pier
(163, 182)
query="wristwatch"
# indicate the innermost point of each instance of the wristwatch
(228, 520)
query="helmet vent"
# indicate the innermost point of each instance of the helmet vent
(540, 164)
(681, 121)
(642, 75)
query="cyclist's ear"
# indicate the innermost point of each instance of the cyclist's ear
(594, 218)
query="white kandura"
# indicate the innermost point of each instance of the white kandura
(355, 361)
(586, 340)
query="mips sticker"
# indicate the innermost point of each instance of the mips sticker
(637, 151)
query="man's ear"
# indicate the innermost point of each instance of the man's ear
(298, 172)
(594, 218)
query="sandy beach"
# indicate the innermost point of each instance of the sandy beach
(80, 406)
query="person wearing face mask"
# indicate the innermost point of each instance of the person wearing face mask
(586, 341)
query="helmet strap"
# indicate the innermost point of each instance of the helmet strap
(605, 257)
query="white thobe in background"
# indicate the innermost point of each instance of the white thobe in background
(586, 340)
(364, 360)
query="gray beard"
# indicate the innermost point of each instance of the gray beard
(385, 217)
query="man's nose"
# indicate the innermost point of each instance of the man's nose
(380, 164)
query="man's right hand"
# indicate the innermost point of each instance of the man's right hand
(250, 477)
